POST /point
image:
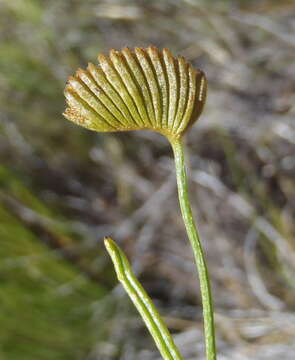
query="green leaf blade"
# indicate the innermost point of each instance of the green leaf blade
(143, 303)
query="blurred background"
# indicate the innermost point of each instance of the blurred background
(62, 188)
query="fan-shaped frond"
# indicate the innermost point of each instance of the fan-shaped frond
(139, 89)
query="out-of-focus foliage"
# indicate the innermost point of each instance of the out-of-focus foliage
(63, 188)
(45, 300)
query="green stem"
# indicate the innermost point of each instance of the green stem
(197, 249)
(143, 303)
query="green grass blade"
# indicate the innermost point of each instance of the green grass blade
(143, 303)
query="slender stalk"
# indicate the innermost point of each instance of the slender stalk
(143, 303)
(197, 249)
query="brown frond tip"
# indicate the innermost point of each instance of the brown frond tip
(137, 89)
